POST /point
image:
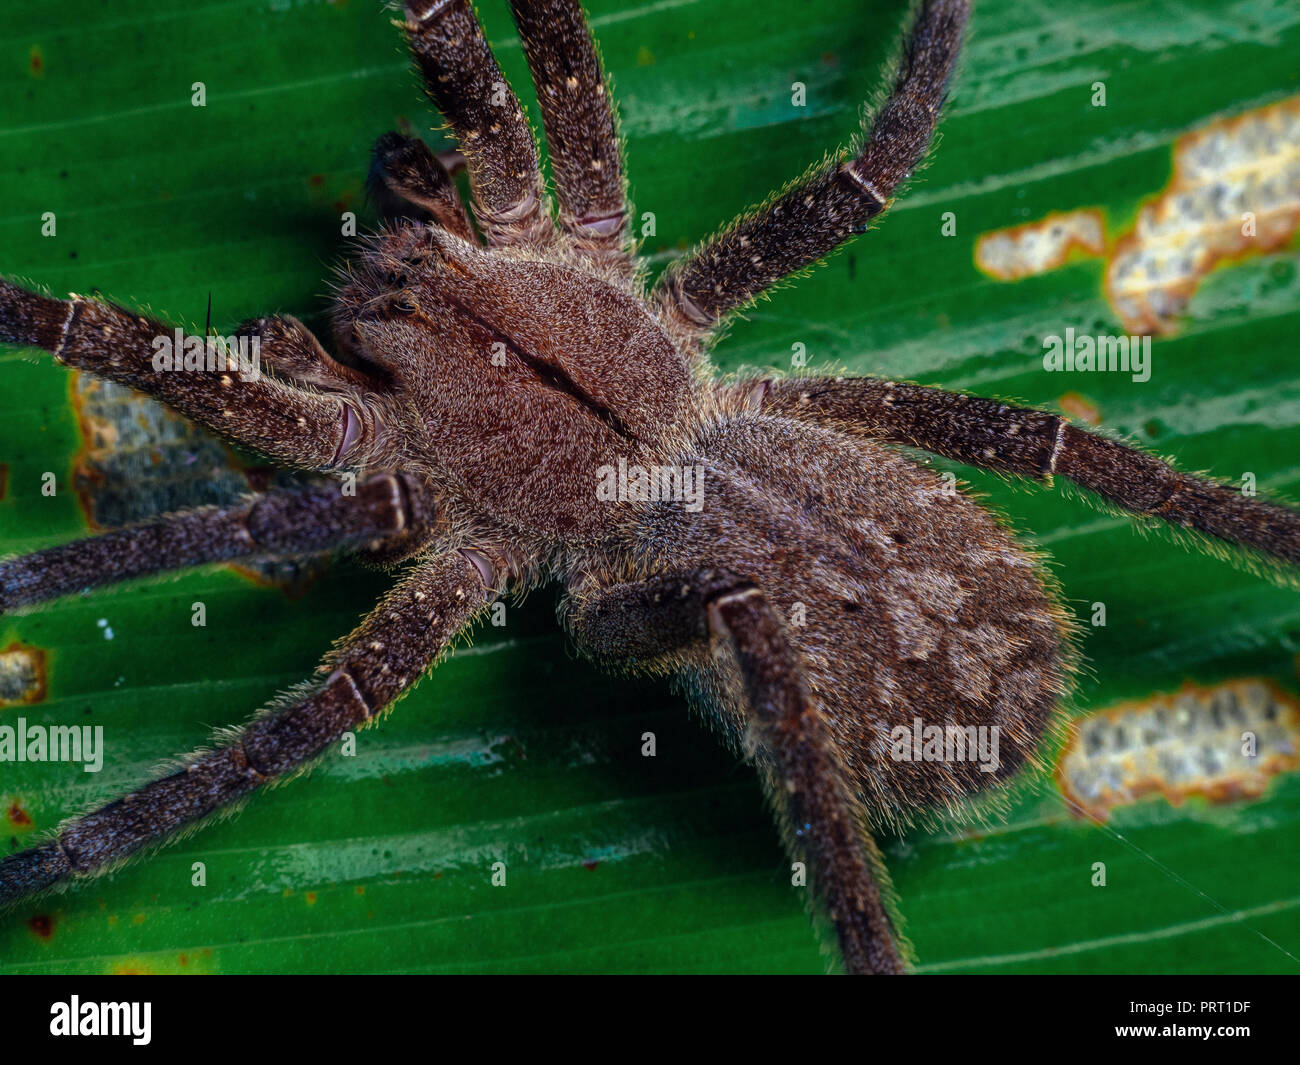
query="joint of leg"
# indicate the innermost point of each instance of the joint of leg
(32, 319)
(598, 227)
(495, 565)
(675, 301)
(876, 200)
(1049, 467)
(74, 312)
(424, 509)
(419, 12)
(734, 595)
(521, 222)
(720, 591)
(260, 774)
(356, 429)
(342, 678)
(399, 496)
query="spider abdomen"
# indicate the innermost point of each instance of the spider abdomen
(930, 638)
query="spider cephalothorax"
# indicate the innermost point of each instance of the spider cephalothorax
(517, 405)
(504, 375)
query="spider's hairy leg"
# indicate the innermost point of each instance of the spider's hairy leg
(366, 673)
(830, 205)
(404, 172)
(577, 115)
(803, 770)
(465, 83)
(385, 510)
(1033, 443)
(291, 426)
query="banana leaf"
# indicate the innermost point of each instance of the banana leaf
(515, 751)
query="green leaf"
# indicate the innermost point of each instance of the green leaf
(514, 751)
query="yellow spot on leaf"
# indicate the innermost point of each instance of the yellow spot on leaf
(1079, 409)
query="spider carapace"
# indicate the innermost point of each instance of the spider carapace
(517, 404)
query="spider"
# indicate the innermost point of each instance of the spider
(499, 365)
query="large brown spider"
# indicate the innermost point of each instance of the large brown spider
(813, 586)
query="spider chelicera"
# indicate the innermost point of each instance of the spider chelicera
(763, 539)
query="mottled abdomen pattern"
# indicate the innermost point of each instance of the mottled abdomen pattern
(906, 599)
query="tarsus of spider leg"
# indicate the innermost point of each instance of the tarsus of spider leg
(834, 201)
(366, 673)
(284, 522)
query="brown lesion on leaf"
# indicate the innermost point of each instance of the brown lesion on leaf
(1235, 191)
(1223, 743)
(139, 460)
(341, 195)
(1079, 408)
(18, 817)
(22, 675)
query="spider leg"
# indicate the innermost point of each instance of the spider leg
(834, 201)
(386, 509)
(820, 817)
(294, 427)
(465, 83)
(1033, 443)
(366, 674)
(586, 158)
(405, 172)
